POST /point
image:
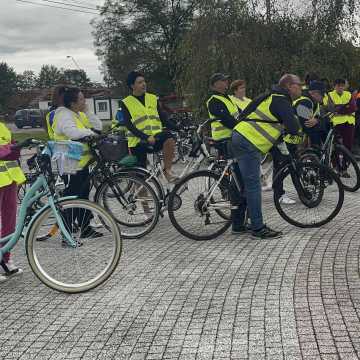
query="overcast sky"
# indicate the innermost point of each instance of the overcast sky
(34, 35)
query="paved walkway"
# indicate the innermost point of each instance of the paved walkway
(297, 297)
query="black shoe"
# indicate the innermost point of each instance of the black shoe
(43, 238)
(90, 232)
(266, 233)
(238, 230)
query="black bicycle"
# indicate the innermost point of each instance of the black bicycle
(317, 189)
(336, 156)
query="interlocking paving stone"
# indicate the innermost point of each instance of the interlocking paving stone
(297, 297)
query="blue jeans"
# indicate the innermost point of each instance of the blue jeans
(249, 160)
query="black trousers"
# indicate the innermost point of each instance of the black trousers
(78, 185)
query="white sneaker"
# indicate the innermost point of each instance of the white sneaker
(3, 278)
(284, 199)
(267, 187)
(14, 270)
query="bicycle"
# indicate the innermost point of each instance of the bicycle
(128, 197)
(60, 263)
(155, 176)
(202, 195)
(335, 155)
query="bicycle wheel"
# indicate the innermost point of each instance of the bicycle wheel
(196, 214)
(346, 167)
(74, 269)
(132, 202)
(317, 191)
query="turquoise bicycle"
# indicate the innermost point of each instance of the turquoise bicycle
(74, 259)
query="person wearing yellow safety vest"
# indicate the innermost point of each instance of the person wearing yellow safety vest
(68, 125)
(11, 176)
(238, 88)
(310, 126)
(224, 112)
(339, 102)
(89, 120)
(145, 123)
(260, 127)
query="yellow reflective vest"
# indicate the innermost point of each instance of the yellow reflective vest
(218, 130)
(263, 135)
(144, 117)
(334, 98)
(240, 103)
(10, 171)
(299, 139)
(79, 120)
(50, 119)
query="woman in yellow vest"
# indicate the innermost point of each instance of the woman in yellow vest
(68, 125)
(339, 101)
(238, 88)
(11, 176)
(145, 123)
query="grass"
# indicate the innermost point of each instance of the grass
(21, 136)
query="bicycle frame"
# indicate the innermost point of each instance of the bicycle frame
(39, 189)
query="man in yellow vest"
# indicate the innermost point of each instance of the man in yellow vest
(11, 176)
(260, 127)
(145, 123)
(224, 112)
(309, 125)
(338, 101)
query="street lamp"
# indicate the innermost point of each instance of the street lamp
(72, 58)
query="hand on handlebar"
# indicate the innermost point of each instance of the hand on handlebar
(151, 140)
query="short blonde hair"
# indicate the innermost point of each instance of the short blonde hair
(236, 84)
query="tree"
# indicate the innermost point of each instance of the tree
(229, 36)
(49, 76)
(76, 78)
(8, 85)
(143, 35)
(26, 81)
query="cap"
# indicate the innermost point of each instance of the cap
(318, 86)
(218, 76)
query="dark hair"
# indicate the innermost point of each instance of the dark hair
(131, 78)
(340, 81)
(311, 77)
(71, 95)
(57, 96)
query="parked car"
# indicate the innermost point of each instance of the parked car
(28, 117)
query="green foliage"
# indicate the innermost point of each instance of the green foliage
(49, 76)
(8, 85)
(143, 35)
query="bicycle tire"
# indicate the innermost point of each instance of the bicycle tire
(39, 268)
(173, 207)
(341, 149)
(327, 176)
(140, 228)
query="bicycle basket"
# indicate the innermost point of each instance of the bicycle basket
(65, 156)
(113, 148)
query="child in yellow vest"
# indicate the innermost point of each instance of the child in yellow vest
(10, 177)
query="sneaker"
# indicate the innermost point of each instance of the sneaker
(3, 278)
(267, 187)
(241, 229)
(10, 269)
(266, 233)
(284, 199)
(90, 232)
(64, 243)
